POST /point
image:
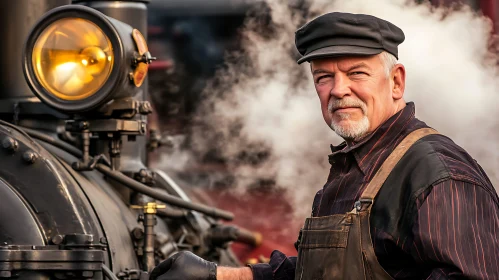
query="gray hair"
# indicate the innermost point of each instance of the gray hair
(389, 61)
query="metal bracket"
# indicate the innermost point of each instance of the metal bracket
(126, 108)
(124, 127)
(144, 58)
(105, 128)
(145, 176)
(82, 262)
(156, 140)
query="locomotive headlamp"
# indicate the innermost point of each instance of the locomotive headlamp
(72, 58)
(76, 59)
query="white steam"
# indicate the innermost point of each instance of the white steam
(265, 102)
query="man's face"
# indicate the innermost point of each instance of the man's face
(355, 93)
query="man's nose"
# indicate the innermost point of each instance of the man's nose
(341, 87)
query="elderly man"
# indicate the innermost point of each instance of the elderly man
(401, 201)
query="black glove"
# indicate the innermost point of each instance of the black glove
(184, 266)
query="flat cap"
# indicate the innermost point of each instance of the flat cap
(341, 34)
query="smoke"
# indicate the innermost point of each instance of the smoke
(262, 114)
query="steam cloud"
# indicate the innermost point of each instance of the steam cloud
(265, 104)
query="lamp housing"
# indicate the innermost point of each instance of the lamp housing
(76, 60)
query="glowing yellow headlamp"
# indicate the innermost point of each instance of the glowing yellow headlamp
(76, 59)
(72, 58)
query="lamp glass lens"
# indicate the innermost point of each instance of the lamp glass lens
(72, 58)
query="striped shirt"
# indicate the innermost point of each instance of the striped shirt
(454, 226)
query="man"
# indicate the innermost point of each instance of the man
(423, 209)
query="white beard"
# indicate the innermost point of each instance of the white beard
(350, 130)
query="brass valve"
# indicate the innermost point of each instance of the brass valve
(150, 207)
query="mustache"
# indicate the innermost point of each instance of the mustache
(335, 104)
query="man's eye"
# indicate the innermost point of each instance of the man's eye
(357, 73)
(323, 79)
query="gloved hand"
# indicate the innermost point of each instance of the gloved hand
(184, 266)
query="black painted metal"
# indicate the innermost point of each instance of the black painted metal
(13, 205)
(114, 215)
(16, 19)
(43, 196)
(50, 191)
(133, 13)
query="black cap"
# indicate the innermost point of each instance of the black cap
(341, 34)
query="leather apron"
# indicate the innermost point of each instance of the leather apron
(340, 246)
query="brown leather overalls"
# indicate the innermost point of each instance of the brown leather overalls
(340, 246)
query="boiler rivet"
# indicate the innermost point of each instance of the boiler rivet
(30, 157)
(10, 144)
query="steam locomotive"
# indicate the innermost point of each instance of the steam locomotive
(78, 201)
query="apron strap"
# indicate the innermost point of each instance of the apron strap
(386, 168)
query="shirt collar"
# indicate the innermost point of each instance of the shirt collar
(383, 137)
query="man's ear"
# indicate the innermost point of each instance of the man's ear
(398, 84)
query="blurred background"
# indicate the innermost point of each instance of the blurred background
(237, 121)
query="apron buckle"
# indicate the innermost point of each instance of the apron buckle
(365, 201)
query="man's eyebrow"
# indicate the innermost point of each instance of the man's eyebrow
(320, 71)
(357, 66)
(351, 68)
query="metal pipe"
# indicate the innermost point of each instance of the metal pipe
(159, 195)
(109, 273)
(249, 237)
(149, 236)
(221, 234)
(171, 213)
(53, 141)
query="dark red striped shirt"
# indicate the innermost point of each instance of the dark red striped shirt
(453, 228)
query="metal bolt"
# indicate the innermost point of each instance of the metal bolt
(103, 240)
(138, 233)
(83, 125)
(30, 157)
(10, 144)
(57, 239)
